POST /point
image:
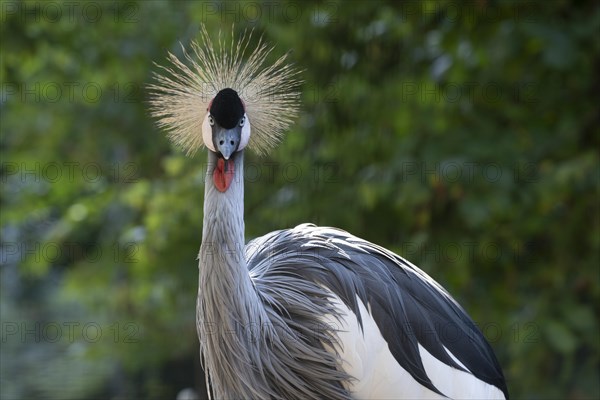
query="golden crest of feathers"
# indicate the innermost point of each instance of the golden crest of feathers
(182, 93)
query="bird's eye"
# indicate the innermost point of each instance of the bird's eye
(211, 121)
(242, 121)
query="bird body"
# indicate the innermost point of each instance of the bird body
(308, 312)
(399, 333)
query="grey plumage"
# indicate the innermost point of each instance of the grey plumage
(260, 338)
(408, 306)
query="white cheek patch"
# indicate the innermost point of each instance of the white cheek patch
(207, 133)
(245, 133)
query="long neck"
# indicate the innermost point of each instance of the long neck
(227, 301)
(222, 263)
(223, 230)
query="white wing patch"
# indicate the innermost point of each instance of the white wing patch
(379, 376)
(456, 383)
(368, 359)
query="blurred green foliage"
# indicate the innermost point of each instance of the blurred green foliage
(463, 136)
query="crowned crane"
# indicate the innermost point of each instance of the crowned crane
(308, 312)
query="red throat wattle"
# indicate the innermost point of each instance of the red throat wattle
(222, 176)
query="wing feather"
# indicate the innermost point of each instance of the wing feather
(411, 310)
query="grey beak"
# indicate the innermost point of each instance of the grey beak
(227, 141)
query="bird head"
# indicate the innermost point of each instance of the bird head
(226, 128)
(226, 97)
(225, 131)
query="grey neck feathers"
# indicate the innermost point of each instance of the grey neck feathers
(249, 348)
(227, 300)
(223, 230)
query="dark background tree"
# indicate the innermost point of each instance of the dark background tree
(463, 136)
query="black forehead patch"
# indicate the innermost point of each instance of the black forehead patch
(227, 108)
